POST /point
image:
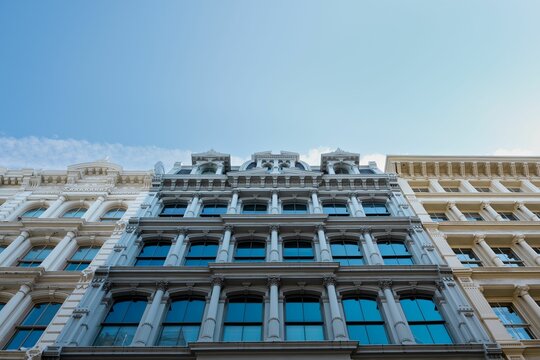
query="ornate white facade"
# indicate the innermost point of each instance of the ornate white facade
(483, 215)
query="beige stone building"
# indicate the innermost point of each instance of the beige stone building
(56, 228)
(483, 215)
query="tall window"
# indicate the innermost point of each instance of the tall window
(473, 216)
(514, 323)
(375, 209)
(82, 258)
(173, 210)
(508, 257)
(467, 257)
(74, 213)
(254, 209)
(335, 209)
(425, 321)
(295, 208)
(364, 321)
(347, 252)
(243, 321)
(201, 253)
(395, 253)
(438, 217)
(298, 250)
(113, 215)
(35, 212)
(153, 253)
(35, 256)
(250, 251)
(183, 322)
(303, 319)
(120, 325)
(213, 210)
(33, 326)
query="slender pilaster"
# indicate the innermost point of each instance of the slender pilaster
(325, 252)
(88, 215)
(233, 208)
(519, 239)
(317, 209)
(209, 322)
(457, 213)
(57, 255)
(274, 323)
(528, 213)
(338, 324)
(54, 206)
(274, 246)
(190, 212)
(480, 239)
(9, 252)
(398, 322)
(223, 255)
(173, 258)
(151, 319)
(494, 214)
(373, 255)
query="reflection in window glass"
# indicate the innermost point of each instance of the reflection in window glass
(113, 215)
(298, 250)
(153, 253)
(514, 323)
(473, 216)
(395, 253)
(34, 213)
(347, 252)
(243, 319)
(335, 209)
(375, 209)
(303, 319)
(295, 208)
(201, 253)
(32, 327)
(467, 257)
(120, 325)
(183, 322)
(253, 209)
(364, 321)
(82, 258)
(508, 257)
(74, 213)
(425, 321)
(173, 210)
(35, 256)
(250, 251)
(213, 210)
(438, 217)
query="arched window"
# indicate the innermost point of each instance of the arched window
(28, 332)
(251, 165)
(35, 212)
(375, 209)
(183, 322)
(243, 320)
(295, 208)
(121, 322)
(366, 172)
(364, 321)
(114, 214)
(395, 253)
(153, 253)
(303, 319)
(341, 170)
(335, 209)
(298, 251)
(35, 256)
(250, 251)
(347, 252)
(201, 253)
(173, 210)
(299, 166)
(82, 258)
(213, 210)
(208, 169)
(74, 213)
(425, 321)
(254, 209)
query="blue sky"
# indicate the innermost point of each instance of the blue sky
(141, 81)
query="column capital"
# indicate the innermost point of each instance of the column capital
(385, 284)
(517, 238)
(235, 191)
(450, 204)
(478, 238)
(228, 227)
(365, 230)
(25, 233)
(162, 285)
(314, 191)
(182, 230)
(485, 204)
(73, 233)
(521, 290)
(353, 194)
(273, 280)
(329, 279)
(320, 227)
(274, 227)
(275, 192)
(217, 280)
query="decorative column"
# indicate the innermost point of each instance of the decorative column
(330, 168)
(173, 258)
(357, 207)
(209, 323)
(338, 324)
(500, 187)
(494, 214)
(234, 202)
(325, 252)
(219, 170)
(192, 206)
(317, 209)
(275, 203)
(467, 185)
(274, 324)
(13, 304)
(530, 215)
(145, 329)
(93, 208)
(530, 186)
(398, 322)
(523, 292)
(223, 255)
(454, 209)
(374, 255)
(480, 239)
(274, 246)
(53, 261)
(54, 206)
(12, 248)
(434, 183)
(519, 239)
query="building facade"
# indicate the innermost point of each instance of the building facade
(56, 228)
(275, 259)
(483, 215)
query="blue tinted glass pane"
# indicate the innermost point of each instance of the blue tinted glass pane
(507, 315)
(143, 262)
(148, 250)
(162, 250)
(338, 249)
(258, 251)
(295, 333)
(400, 249)
(252, 333)
(194, 311)
(116, 314)
(405, 261)
(253, 312)
(171, 336)
(210, 250)
(243, 252)
(195, 262)
(106, 336)
(421, 334)
(135, 312)
(80, 253)
(312, 311)
(290, 251)
(429, 310)
(352, 310)
(352, 250)
(125, 335)
(358, 333)
(411, 310)
(32, 254)
(190, 333)
(177, 311)
(519, 333)
(44, 253)
(196, 250)
(17, 340)
(32, 338)
(370, 310)
(235, 312)
(232, 333)
(314, 332)
(377, 334)
(34, 314)
(48, 314)
(294, 312)
(386, 249)
(355, 262)
(391, 261)
(439, 334)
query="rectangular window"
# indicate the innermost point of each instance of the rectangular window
(514, 189)
(509, 216)
(483, 189)
(82, 258)
(451, 189)
(512, 321)
(213, 210)
(467, 257)
(473, 216)
(420, 189)
(375, 209)
(508, 257)
(438, 217)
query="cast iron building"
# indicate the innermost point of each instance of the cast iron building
(275, 259)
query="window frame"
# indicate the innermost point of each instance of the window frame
(364, 322)
(332, 205)
(396, 256)
(207, 259)
(181, 324)
(345, 258)
(40, 209)
(213, 205)
(178, 205)
(83, 261)
(298, 258)
(31, 262)
(511, 326)
(122, 324)
(249, 299)
(471, 216)
(75, 210)
(255, 211)
(295, 204)
(438, 217)
(506, 251)
(249, 259)
(153, 242)
(374, 205)
(304, 323)
(105, 218)
(425, 322)
(467, 252)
